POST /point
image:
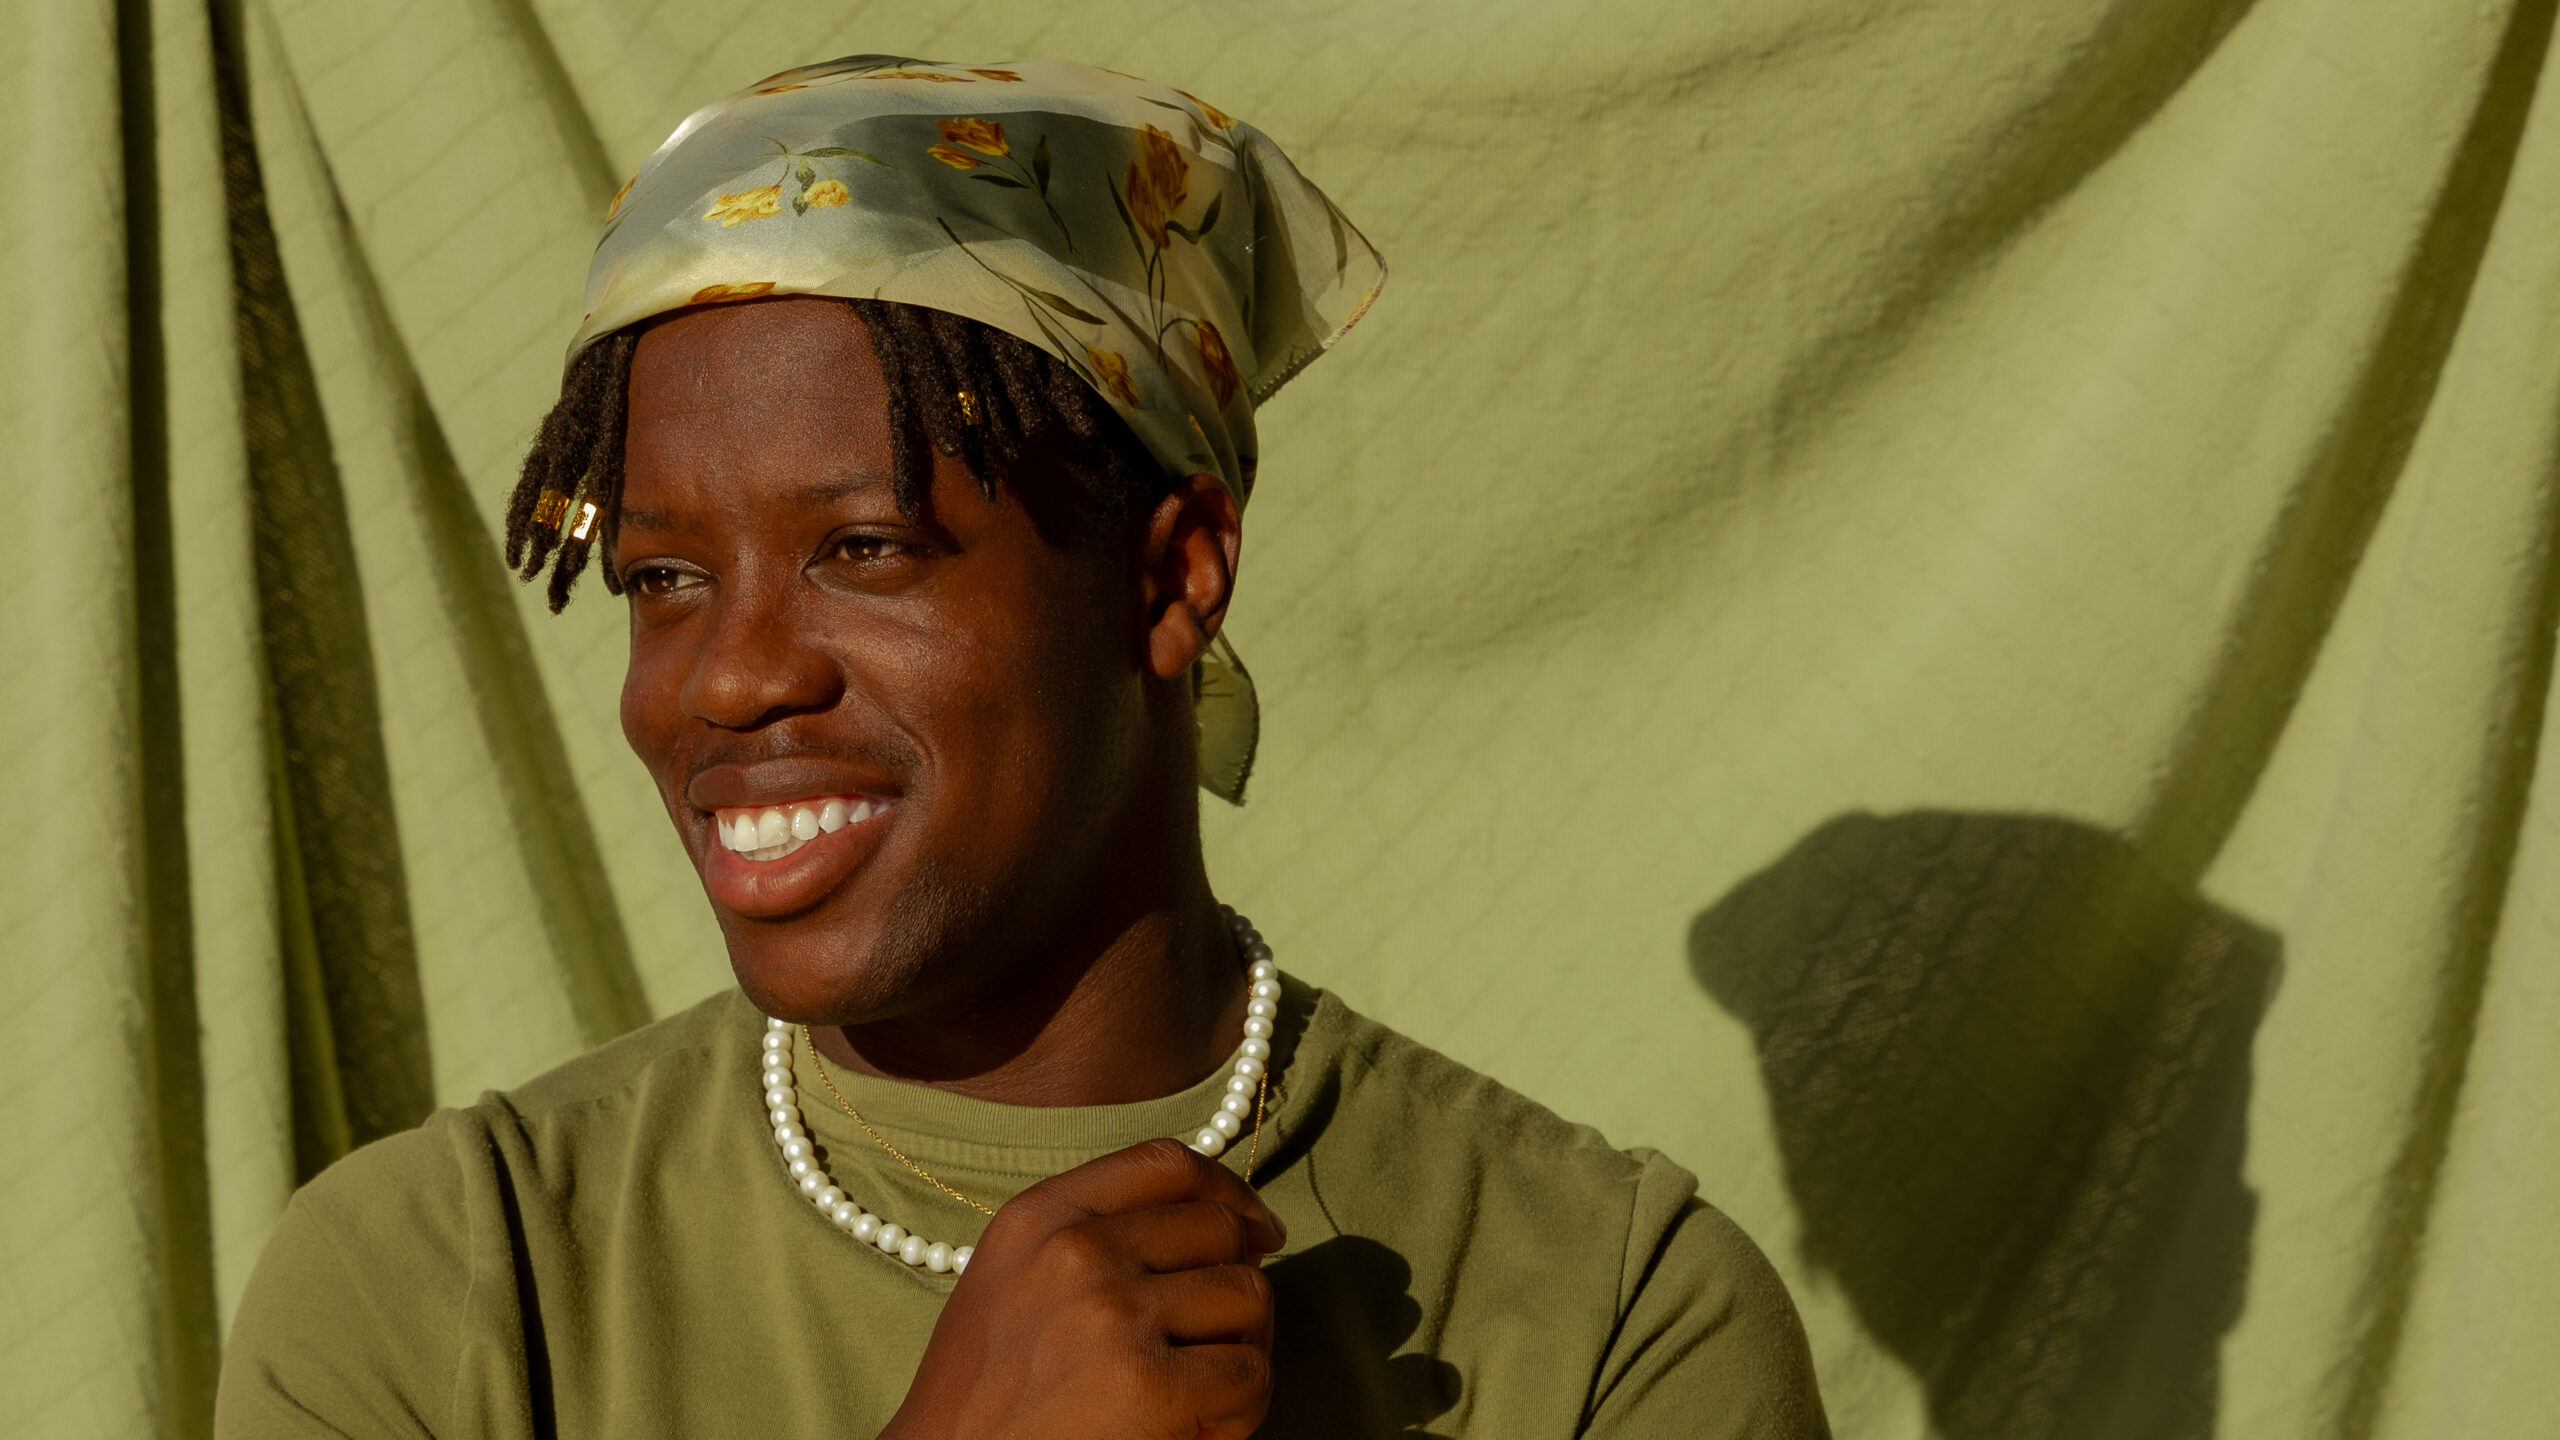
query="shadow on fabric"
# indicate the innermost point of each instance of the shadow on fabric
(1343, 1311)
(2009, 1065)
(355, 1008)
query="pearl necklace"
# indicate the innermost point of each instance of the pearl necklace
(1247, 1079)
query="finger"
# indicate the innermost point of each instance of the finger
(1177, 1237)
(1228, 1387)
(1156, 1172)
(1214, 1305)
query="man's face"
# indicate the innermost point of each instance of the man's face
(945, 717)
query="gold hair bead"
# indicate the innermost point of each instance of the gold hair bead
(549, 509)
(586, 521)
(968, 408)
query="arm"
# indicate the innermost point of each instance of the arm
(1708, 1343)
(385, 1305)
(275, 1379)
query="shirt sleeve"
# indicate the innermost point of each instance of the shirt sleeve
(385, 1306)
(1708, 1343)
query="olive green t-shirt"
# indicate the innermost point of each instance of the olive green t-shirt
(614, 1249)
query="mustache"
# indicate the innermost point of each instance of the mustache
(894, 757)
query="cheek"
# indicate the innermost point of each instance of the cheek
(955, 690)
(1009, 704)
(650, 703)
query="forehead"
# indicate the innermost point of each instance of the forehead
(764, 391)
(801, 349)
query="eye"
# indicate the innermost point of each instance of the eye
(869, 549)
(657, 580)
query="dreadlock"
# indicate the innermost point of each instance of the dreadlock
(956, 386)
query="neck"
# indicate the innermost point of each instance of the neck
(1124, 1002)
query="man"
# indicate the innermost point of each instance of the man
(913, 419)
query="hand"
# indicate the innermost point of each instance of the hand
(1122, 1300)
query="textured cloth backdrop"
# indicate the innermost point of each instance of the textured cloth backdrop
(1943, 609)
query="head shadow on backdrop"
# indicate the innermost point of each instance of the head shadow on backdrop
(2008, 1066)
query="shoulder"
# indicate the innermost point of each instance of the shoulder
(1407, 1108)
(676, 1050)
(1507, 1208)
(431, 1190)
(390, 1283)
(1411, 1108)
(547, 1118)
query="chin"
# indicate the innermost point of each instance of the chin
(862, 958)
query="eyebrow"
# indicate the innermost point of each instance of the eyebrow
(814, 496)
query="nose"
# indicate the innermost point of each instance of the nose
(757, 665)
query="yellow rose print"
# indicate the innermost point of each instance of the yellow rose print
(1154, 188)
(756, 204)
(1224, 382)
(1167, 168)
(1158, 182)
(1114, 373)
(984, 136)
(1218, 119)
(713, 294)
(1005, 75)
(826, 192)
(956, 159)
(1144, 207)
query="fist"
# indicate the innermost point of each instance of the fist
(1123, 1298)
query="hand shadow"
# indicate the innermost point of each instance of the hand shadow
(1342, 1311)
(2009, 1067)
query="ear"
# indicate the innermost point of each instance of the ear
(1187, 571)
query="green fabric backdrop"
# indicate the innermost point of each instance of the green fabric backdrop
(1942, 608)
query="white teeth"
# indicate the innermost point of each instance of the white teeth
(777, 830)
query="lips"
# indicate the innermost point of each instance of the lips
(777, 860)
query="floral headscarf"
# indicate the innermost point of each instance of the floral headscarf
(1167, 252)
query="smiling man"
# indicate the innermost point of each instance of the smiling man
(913, 419)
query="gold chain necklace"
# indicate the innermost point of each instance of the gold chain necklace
(876, 1137)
